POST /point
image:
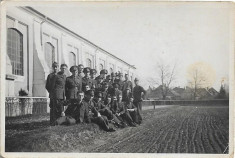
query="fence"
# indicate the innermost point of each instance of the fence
(17, 106)
(154, 103)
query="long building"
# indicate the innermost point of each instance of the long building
(35, 41)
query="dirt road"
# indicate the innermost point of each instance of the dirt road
(167, 129)
(178, 129)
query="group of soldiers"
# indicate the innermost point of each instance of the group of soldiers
(106, 100)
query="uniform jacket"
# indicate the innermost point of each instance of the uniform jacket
(117, 107)
(130, 105)
(137, 90)
(86, 81)
(49, 83)
(94, 84)
(88, 111)
(127, 84)
(74, 111)
(58, 86)
(126, 97)
(116, 92)
(72, 86)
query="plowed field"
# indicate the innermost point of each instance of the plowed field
(174, 129)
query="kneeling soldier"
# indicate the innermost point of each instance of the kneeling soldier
(90, 114)
(118, 109)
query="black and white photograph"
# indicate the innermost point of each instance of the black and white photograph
(117, 77)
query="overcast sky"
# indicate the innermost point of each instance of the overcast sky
(142, 33)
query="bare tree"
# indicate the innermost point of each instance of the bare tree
(165, 75)
(200, 75)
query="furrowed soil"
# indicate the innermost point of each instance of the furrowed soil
(167, 129)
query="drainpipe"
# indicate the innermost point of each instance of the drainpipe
(41, 29)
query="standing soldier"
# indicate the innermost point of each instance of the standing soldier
(49, 81)
(120, 81)
(80, 70)
(86, 79)
(115, 91)
(138, 91)
(103, 74)
(58, 93)
(93, 76)
(127, 83)
(73, 84)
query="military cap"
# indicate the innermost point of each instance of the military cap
(104, 71)
(86, 70)
(55, 64)
(90, 92)
(93, 71)
(73, 68)
(113, 74)
(136, 79)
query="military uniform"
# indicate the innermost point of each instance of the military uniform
(118, 109)
(86, 81)
(127, 85)
(58, 94)
(90, 114)
(134, 114)
(72, 86)
(49, 88)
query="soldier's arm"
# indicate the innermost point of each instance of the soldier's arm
(48, 83)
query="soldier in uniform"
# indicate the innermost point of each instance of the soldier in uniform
(86, 79)
(80, 70)
(115, 91)
(93, 76)
(49, 82)
(119, 110)
(103, 74)
(73, 84)
(120, 81)
(138, 92)
(132, 109)
(99, 80)
(127, 83)
(105, 90)
(58, 93)
(126, 95)
(90, 114)
(73, 109)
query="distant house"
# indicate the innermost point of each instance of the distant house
(179, 93)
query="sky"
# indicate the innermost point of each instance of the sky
(143, 33)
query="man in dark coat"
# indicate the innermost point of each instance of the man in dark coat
(80, 70)
(115, 91)
(102, 75)
(86, 80)
(58, 93)
(138, 92)
(132, 109)
(90, 114)
(119, 110)
(126, 95)
(127, 83)
(49, 81)
(73, 84)
(93, 76)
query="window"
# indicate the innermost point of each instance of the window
(101, 67)
(72, 59)
(15, 50)
(49, 54)
(88, 62)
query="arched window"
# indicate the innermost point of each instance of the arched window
(15, 50)
(72, 59)
(49, 53)
(101, 67)
(88, 63)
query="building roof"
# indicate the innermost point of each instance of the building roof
(51, 21)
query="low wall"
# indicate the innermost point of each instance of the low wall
(154, 103)
(17, 106)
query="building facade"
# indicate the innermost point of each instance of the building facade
(35, 41)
